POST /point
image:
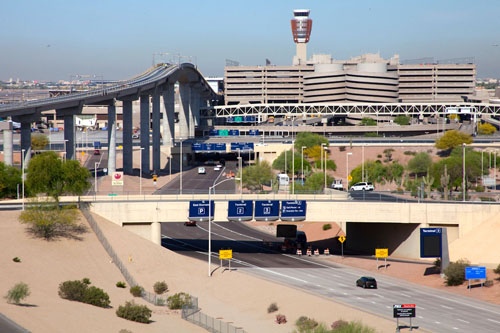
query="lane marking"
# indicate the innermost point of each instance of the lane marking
(310, 275)
(345, 293)
(318, 285)
(235, 232)
(379, 295)
(494, 321)
(389, 307)
(447, 307)
(437, 322)
(374, 302)
(455, 328)
(405, 295)
(420, 317)
(463, 321)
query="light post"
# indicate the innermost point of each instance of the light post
(180, 163)
(347, 171)
(65, 154)
(140, 171)
(302, 161)
(23, 163)
(463, 171)
(326, 154)
(363, 163)
(95, 176)
(210, 221)
(321, 153)
(293, 166)
(240, 167)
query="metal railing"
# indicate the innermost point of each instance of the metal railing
(193, 314)
(146, 295)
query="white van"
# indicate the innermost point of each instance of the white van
(202, 171)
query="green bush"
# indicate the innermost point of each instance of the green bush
(412, 153)
(17, 293)
(160, 301)
(338, 324)
(134, 312)
(96, 296)
(368, 122)
(371, 134)
(16, 259)
(305, 324)
(402, 120)
(121, 284)
(327, 226)
(86, 281)
(136, 291)
(455, 272)
(177, 301)
(497, 270)
(354, 326)
(273, 307)
(160, 287)
(72, 290)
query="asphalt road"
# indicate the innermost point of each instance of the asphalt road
(8, 326)
(192, 182)
(437, 311)
(377, 196)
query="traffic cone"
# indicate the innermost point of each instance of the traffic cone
(326, 252)
(308, 252)
(299, 252)
(316, 252)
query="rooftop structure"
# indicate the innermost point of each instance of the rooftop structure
(301, 31)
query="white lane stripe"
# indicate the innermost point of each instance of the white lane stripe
(420, 317)
(437, 322)
(455, 328)
(463, 321)
(447, 307)
(405, 295)
(318, 285)
(310, 275)
(235, 232)
(494, 321)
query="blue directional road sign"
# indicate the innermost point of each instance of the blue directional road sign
(431, 242)
(267, 210)
(213, 132)
(241, 210)
(198, 210)
(208, 147)
(472, 273)
(253, 132)
(241, 146)
(293, 210)
(234, 132)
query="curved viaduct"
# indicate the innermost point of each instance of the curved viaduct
(155, 86)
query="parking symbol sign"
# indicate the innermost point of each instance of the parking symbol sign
(240, 210)
(201, 211)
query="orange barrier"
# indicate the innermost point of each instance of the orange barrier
(299, 252)
(308, 252)
(326, 252)
(316, 252)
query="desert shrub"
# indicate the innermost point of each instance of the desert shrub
(488, 199)
(402, 120)
(342, 148)
(280, 319)
(408, 152)
(305, 324)
(72, 290)
(379, 156)
(160, 287)
(488, 283)
(354, 326)
(338, 324)
(486, 129)
(16, 259)
(136, 291)
(368, 122)
(121, 284)
(96, 296)
(177, 301)
(497, 270)
(437, 263)
(273, 307)
(160, 302)
(327, 226)
(479, 188)
(134, 312)
(455, 272)
(86, 281)
(17, 293)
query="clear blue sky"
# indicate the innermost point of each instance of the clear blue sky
(53, 39)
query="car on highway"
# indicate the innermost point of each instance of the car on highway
(337, 185)
(135, 136)
(218, 167)
(366, 282)
(97, 152)
(202, 171)
(363, 186)
(190, 223)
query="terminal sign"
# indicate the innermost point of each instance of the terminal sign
(404, 310)
(293, 210)
(267, 210)
(240, 210)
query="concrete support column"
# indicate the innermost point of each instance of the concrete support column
(156, 232)
(7, 146)
(145, 135)
(111, 138)
(69, 135)
(169, 116)
(26, 141)
(195, 110)
(156, 133)
(127, 137)
(185, 96)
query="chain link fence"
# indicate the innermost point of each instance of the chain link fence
(193, 314)
(146, 295)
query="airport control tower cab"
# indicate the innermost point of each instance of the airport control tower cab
(301, 30)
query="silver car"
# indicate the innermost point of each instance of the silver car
(363, 186)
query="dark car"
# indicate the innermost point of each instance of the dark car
(190, 223)
(366, 282)
(97, 152)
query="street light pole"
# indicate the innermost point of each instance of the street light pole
(95, 176)
(363, 163)
(326, 154)
(180, 162)
(463, 171)
(302, 161)
(23, 163)
(293, 166)
(65, 157)
(140, 171)
(210, 222)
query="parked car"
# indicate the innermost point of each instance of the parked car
(366, 282)
(190, 223)
(202, 171)
(97, 152)
(363, 186)
(337, 185)
(135, 135)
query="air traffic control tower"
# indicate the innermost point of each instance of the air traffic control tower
(301, 30)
